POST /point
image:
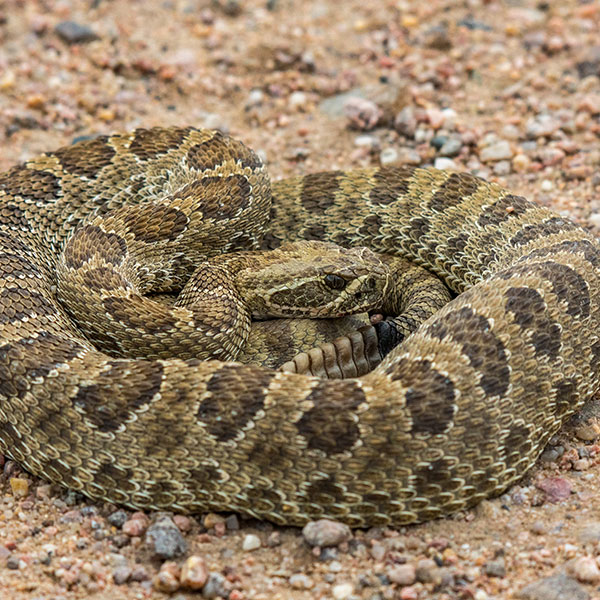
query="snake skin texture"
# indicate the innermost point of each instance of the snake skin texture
(455, 414)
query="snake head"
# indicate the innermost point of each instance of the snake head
(315, 280)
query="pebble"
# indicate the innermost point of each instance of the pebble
(121, 575)
(255, 98)
(325, 532)
(19, 487)
(165, 539)
(334, 106)
(521, 163)
(495, 568)
(167, 578)
(297, 100)
(251, 542)
(451, 147)
(555, 587)
(499, 150)
(118, 518)
(215, 587)
(502, 167)
(427, 571)
(543, 125)
(378, 551)
(361, 113)
(405, 122)
(445, 163)
(299, 581)
(388, 156)
(586, 570)
(212, 519)
(75, 33)
(402, 574)
(342, 591)
(136, 525)
(366, 141)
(194, 573)
(555, 488)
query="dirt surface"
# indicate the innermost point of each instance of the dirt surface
(507, 90)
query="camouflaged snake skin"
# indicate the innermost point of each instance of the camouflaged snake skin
(455, 414)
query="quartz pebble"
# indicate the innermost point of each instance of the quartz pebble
(326, 533)
(194, 573)
(251, 542)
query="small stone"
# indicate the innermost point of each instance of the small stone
(546, 186)
(539, 528)
(585, 570)
(366, 141)
(232, 523)
(118, 518)
(167, 578)
(388, 156)
(183, 523)
(215, 587)
(555, 488)
(445, 163)
(325, 532)
(402, 574)
(255, 98)
(499, 150)
(521, 163)
(405, 122)
(342, 591)
(555, 587)
(297, 100)
(426, 571)
(551, 156)
(74, 33)
(12, 563)
(502, 167)
(299, 581)
(589, 533)
(211, 519)
(495, 568)
(361, 113)
(251, 542)
(543, 125)
(165, 539)
(194, 573)
(19, 487)
(451, 147)
(378, 551)
(121, 574)
(135, 527)
(139, 573)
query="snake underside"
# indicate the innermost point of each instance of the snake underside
(453, 415)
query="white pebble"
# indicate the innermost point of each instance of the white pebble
(445, 163)
(499, 150)
(388, 156)
(251, 542)
(297, 99)
(342, 591)
(366, 141)
(547, 185)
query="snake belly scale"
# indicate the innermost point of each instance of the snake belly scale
(455, 414)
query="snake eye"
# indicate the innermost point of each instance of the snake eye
(335, 282)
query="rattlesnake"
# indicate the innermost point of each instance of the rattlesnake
(453, 415)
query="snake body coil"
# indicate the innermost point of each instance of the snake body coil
(455, 414)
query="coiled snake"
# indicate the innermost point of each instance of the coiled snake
(455, 414)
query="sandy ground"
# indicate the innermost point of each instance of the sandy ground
(508, 90)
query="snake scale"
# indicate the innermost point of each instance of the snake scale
(455, 414)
